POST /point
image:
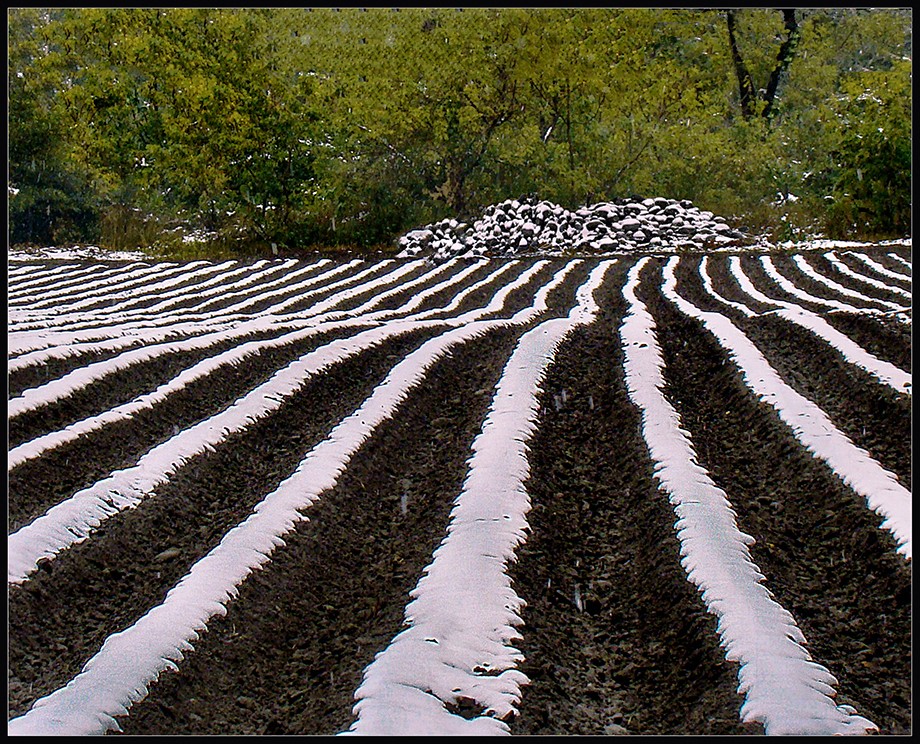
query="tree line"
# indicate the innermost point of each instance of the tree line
(323, 127)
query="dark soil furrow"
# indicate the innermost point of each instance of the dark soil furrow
(903, 281)
(753, 268)
(38, 484)
(39, 374)
(861, 267)
(480, 297)
(186, 301)
(62, 615)
(523, 296)
(785, 266)
(396, 301)
(143, 296)
(642, 651)
(727, 285)
(285, 293)
(179, 291)
(367, 292)
(888, 341)
(442, 297)
(74, 286)
(870, 413)
(116, 388)
(52, 369)
(821, 549)
(248, 293)
(42, 278)
(445, 295)
(335, 594)
(824, 267)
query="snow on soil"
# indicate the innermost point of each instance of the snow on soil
(784, 688)
(812, 427)
(120, 669)
(86, 252)
(129, 661)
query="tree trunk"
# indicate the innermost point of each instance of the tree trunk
(783, 59)
(745, 81)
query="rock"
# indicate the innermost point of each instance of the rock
(517, 225)
(167, 554)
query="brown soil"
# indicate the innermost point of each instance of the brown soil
(637, 653)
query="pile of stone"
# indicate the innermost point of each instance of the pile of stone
(530, 227)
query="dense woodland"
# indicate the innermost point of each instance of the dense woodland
(324, 127)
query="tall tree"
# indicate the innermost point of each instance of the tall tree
(784, 57)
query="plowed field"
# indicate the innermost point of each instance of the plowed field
(645, 495)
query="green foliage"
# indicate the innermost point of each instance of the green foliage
(872, 193)
(347, 127)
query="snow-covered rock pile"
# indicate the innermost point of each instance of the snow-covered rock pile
(528, 226)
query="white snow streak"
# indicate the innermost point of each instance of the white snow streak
(884, 372)
(883, 492)
(129, 661)
(878, 284)
(75, 518)
(464, 613)
(807, 269)
(783, 688)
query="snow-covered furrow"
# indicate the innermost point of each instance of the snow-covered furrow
(185, 281)
(154, 335)
(258, 272)
(712, 291)
(78, 379)
(455, 303)
(92, 278)
(783, 687)
(22, 271)
(806, 268)
(901, 260)
(881, 489)
(464, 613)
(30, 348)
(74, 519)
(329, 281)
(209, 287)
(45, 274)
(885, 372)
(27, 341)
(880, 269)
(365, 282)
(116, 287)
(860, 277)
(42, 444)
(129, 661)
(393, 274)
(155, 338)
(401, 288)
(77, 283)
(285, 280)
(789, 288)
